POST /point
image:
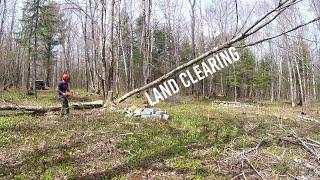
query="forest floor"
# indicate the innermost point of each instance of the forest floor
(203, 140)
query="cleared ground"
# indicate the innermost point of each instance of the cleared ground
(203, 140)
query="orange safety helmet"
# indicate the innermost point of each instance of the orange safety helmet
(66, 77)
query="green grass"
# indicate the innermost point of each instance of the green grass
(110, 145)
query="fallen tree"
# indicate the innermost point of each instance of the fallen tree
(294, 138)
(45, 109)
(258, 25)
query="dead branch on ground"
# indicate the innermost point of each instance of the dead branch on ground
(294, 138)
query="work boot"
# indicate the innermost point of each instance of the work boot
(62, 112)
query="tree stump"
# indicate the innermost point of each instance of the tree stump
(110, 96)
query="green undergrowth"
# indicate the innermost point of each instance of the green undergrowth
(195, 144)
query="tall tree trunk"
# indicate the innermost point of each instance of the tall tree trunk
(235, 83)
(144, 46)
(103, 46)
(294, 82)
(92, 65)
(35, 57)
(290, 67)
(124, 57)
(149, 41)
(300, 83)
(280, 79)
(271, 73)
(313, 84)
(86, 50)
(111, 49)
(3, 18)
(193, 27)
(293, 104)
(132, 78)
(221, 85)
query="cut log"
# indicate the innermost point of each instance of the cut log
(88, 105)
(110, 96)
(44, 109)
(40, 109)
(308, 118)
(233, 104)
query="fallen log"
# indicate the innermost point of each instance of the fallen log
(40, 109)
(313, 152)
(313, 141)
(295, 139)
(44, 109)
(88, 105)
(233, 104)
(308, 118)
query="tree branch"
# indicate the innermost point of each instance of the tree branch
(254, 28)
(283, 33)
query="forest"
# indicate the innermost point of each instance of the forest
(250, 114)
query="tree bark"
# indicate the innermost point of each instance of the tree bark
(111, 49)
(44, 109)
(193, 26)
(103, 50)
(293, 104)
